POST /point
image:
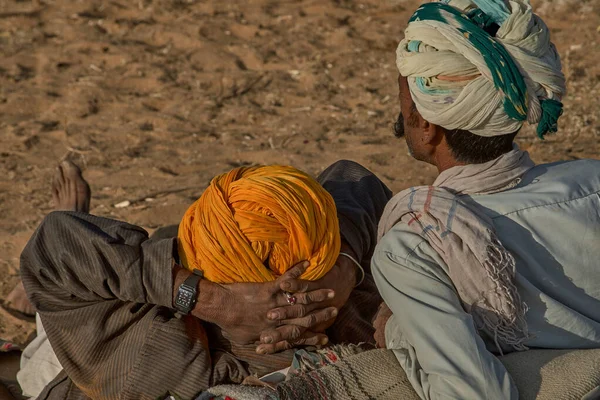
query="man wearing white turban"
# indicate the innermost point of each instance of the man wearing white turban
(499, 254)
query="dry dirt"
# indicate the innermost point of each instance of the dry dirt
(154, 97)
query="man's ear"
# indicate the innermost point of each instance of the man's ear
(430, 133)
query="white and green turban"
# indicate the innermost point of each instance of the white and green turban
(484, 66)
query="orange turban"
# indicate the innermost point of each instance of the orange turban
(254, 223)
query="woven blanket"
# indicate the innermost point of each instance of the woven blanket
(373, 374)
(305, 360)
(376, 374)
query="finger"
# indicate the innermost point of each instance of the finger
(313, 319)
(306, 303)
(296, 285)
(290, 312)
(312, 339)
(295, 272)
(283, 333)
(314, 297)
(300, 285)
(308, 339)
(274, 348)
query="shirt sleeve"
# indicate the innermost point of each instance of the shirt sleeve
(434, 339)
(103, 291)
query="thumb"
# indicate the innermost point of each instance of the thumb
(295, 272)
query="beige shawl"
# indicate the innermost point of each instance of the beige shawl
(481, 269)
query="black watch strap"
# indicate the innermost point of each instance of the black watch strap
(187, 293)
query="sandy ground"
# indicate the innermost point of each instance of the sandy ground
(154, 97)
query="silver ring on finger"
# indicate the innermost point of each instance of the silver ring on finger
(291, 299)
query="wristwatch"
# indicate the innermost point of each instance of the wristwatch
(187, 293)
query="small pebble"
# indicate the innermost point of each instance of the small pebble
(123, 204)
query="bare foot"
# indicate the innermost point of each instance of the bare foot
(17, 301)
(70, 193)
(69, 190)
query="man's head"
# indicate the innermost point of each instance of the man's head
(471, 73)
(441, 147)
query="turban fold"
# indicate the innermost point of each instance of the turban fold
(485, 66)
(253, 223)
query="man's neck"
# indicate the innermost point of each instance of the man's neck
(445, 161)
(446, 166)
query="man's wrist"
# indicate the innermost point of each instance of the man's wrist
(205, 307)
(179, 276)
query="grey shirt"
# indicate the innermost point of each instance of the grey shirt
(550, 223)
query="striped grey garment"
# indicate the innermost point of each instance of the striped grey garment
(103, 290)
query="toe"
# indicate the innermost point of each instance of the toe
(57, 186)
(60, 175)
(83, 196)
(55, 193)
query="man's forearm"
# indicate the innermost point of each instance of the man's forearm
(360, 198)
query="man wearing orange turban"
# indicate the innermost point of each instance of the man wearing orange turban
(106, 293)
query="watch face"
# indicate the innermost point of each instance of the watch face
(184, 297)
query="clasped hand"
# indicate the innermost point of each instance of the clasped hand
(260, 311)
